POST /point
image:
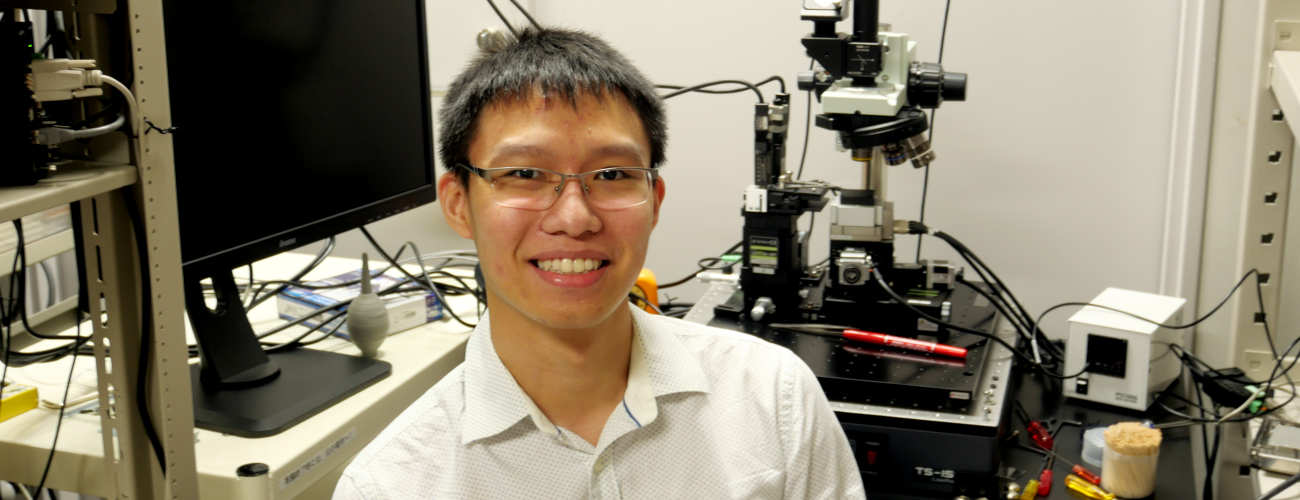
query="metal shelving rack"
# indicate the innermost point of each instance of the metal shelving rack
(113, 276)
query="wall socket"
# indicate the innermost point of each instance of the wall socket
(1259, 364)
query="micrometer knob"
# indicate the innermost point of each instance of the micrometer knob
(762, 307)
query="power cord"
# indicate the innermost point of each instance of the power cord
(770, 79)
(702, 268)
(146, 335)
(58, 426)
(637, 298)
(925, 182)
(695, 88)
(807, 123)
(426, 282)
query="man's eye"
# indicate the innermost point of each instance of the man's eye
(524, 174)
(611, 175)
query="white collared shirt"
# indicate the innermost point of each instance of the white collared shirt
(707, 413)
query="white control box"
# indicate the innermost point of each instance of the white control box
(1128, 360)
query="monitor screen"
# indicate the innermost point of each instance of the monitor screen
(295, 120)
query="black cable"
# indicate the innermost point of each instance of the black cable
(903, 302)
(21, 278)
(694, 88)
(59, 423)
(294, 343)
(1279, 488)
(975, 260)
(429, 284)
(112, 107)
(634, 298)
(503, 18)
(299, 320)
(997, 304)
(1162, 325)
(526, 14)
(146, 336)
(49, 283)
(324, 252)
(925, 183)
(1018, 311)
(770, 79)
(807, 124)
(17, 311)
(701, 270)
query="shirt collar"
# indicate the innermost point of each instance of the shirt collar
(659, 365)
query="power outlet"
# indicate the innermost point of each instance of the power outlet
(1260, 364)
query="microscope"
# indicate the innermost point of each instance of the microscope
(872, 92)
(903, 411)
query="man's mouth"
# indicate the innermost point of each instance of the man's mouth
(570, 266)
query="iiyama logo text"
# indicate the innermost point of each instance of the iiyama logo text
(290, 241)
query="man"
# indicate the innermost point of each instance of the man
(553, 142)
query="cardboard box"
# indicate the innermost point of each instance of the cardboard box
(404, 311)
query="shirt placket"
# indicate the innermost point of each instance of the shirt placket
(604, 475)
(604, 479)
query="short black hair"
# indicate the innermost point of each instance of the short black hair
(556, 61)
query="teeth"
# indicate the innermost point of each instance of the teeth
(568, 266)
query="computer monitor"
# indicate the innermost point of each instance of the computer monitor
(294, 120)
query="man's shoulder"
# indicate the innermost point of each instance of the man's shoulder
(717, 344)
(434, 415)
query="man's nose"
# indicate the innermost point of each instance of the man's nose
(572, 213)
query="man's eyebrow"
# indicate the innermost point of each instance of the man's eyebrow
(516, 149)
(620, 150)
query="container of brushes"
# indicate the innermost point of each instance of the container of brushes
(1129, 462)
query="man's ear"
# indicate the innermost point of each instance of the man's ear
(659, 198)
(454, 199)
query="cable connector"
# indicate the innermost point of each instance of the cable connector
(911, 227)
(64, 79)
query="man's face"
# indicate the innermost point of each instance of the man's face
(514, 244)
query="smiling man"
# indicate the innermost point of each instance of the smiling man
(554, 142)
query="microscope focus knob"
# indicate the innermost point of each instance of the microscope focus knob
(954, 86)
(928, 85)
(762, 307)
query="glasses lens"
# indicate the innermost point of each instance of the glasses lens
(524, 188)
(619, 188)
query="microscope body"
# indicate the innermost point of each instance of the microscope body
(871, 91)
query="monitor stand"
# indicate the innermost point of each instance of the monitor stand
(240, 389)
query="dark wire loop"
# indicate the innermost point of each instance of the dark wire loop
(770, 79)
(150, 126)
(694, 88)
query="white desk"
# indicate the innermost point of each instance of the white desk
(420, 357)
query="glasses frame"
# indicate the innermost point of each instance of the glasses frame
(485, 174)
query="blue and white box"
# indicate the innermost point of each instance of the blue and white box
(404, 311)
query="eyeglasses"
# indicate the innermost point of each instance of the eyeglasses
(537, 188)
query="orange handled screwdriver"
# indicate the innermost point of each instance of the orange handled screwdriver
(1086, 474)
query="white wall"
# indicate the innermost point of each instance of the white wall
(1054, 170)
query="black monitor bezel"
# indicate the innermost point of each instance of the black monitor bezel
(290, 239)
